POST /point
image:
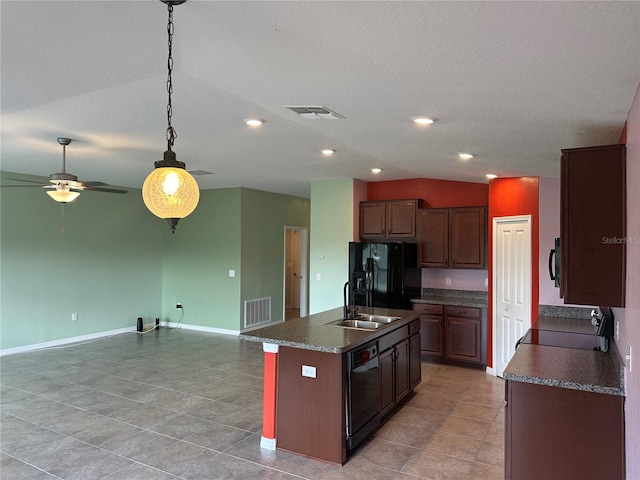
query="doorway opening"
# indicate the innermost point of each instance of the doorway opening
(295, 273)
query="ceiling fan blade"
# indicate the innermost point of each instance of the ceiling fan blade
(101, 189)
(24, 180)
(26, 186)
(94, 184)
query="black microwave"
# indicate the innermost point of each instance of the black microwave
(554, 262)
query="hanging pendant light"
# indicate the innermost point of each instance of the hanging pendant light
(170, 192)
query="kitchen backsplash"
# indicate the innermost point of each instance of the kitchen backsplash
(460, 279)
(566, 312)
(446, 292)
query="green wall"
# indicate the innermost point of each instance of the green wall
(232, 229)
(197, 259)
(106, 266)
(264, 218)
(116, 262)
(332, 228)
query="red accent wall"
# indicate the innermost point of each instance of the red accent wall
(436, 193)
(514, 196)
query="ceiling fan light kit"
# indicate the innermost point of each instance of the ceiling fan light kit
(63, 194)
(66, 186)
(170, 192)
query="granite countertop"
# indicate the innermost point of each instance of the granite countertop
(313, 333)
(458, 298)
(572, 368)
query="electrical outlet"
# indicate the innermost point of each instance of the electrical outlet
(232, 273)
(617, 330)
(318, 277)
(308, 371)
(74, 316)
(629, 358)
(447, 281)
(486, 282)
(178, 306)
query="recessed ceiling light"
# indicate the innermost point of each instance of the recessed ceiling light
(327, 151)
(376, 171)
(491, 176)
(424, 120)
(254, 122)
(465, 156)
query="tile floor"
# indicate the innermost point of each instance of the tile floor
(184, 404)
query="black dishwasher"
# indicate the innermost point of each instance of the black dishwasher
(363, 393)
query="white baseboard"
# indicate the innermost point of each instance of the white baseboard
(64, 341)
(200, 328)
(268, 443)
(94, 336)
(262, 325)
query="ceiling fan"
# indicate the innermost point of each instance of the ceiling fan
(65, 187)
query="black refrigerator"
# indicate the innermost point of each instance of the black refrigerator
(384, 274)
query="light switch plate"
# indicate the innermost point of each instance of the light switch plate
(232, 273)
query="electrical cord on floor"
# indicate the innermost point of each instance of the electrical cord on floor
(178, 324)
(147, 329)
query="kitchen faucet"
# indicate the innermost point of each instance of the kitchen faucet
(346, 313)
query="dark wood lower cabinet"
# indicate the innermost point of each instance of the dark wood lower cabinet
(463, 339)
(453, 334)
(310, 411)
(395, 383)
(432, 332)
(558, 433)
(415, 360)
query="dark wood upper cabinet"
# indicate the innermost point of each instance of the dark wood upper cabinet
(452, 237)
(593, 226)
(373, 219)
(433, 237)
(468, 237)
(388, 219)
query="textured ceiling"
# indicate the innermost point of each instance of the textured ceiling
(513, 82)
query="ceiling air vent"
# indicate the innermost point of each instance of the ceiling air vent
(314, 112)
(200, 172)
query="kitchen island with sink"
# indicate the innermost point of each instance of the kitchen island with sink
(329, 383)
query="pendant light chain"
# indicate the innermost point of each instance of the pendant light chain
(171, 133)
(170, 191)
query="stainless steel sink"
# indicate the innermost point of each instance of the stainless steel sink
(378, 318)
(359, 324)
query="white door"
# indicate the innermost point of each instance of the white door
(295, 268)
(295, 271)
(511, 286)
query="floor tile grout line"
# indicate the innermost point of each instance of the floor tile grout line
(142, 404)
(442, 376)
(110, 451)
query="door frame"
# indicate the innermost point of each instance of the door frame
(528, 219)
(304, 268)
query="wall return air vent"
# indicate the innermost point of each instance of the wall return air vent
(314, 112)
